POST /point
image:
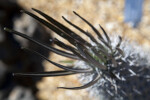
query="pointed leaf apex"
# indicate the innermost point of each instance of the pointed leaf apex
(7, 29)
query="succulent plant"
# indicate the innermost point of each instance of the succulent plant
(113, 68)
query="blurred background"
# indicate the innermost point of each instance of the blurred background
(128, 18)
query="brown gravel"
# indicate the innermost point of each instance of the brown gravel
(108, 13)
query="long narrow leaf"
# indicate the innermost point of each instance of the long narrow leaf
(45, 74)
(81, 30)
(89, 58)
(52, 27)
(94, 29)
(60, 52)
(62, 27)
(61, 66)
(62, 45)
(108, 39)
(95, 79)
